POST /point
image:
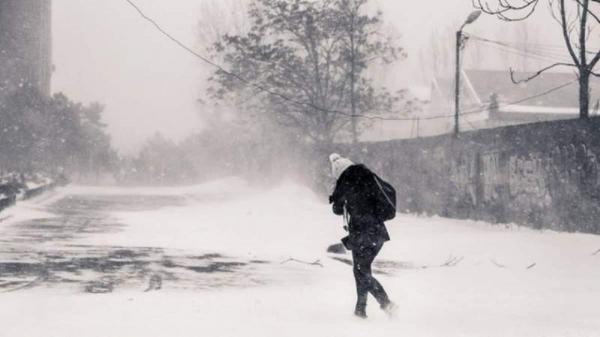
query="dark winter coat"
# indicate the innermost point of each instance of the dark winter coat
(357, 190)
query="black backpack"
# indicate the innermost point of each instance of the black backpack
(386, 199)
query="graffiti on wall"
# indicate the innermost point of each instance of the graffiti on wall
(547, 176)
(527, 179)
(462, 175)
(493, 176)
(575, 166)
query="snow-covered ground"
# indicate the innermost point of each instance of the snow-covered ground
(448, 277)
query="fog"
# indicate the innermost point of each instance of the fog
(180, 92)
(104, 51)
(227, 166)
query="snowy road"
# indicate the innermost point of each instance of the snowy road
(64, 249)
(214, 260)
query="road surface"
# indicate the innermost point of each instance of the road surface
(225, 259)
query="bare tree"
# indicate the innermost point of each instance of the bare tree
(577, 18)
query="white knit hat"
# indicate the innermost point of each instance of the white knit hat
(339, 164)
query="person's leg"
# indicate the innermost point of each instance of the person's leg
(365, 282)
(361, 279)
(375, 288)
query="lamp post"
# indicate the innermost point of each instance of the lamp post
(459, 34)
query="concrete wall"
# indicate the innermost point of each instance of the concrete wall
(545, 175)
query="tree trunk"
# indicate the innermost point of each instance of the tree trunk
(584, 71)
(584, 94)
(457, 84)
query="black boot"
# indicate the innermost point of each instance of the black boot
(360, 310)
(390, 308)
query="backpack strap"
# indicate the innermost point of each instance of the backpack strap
(383, 191)
(346, 218)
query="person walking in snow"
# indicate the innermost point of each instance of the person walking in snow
(356, 198)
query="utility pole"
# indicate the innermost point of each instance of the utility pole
(459, 35)
(353, 81)
(457, 83)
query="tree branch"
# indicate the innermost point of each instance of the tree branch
(538, 73)
(452, 261)
(563, 17)
(583, 31)
(594, 61)
(315, 263)
(508, 6)
(497, 264)
(505, 6)
(588, 10)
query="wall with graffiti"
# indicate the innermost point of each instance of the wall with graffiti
(544, 175)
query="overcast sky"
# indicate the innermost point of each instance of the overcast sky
(104, 51)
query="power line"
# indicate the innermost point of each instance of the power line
(486, 104)
(247, 82)
(547, 92)
(540, 52)
(515, 102)
(539, 55)
(196, 54)
(510, 48)
(307, 104)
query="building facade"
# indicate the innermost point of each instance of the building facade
(25, 45)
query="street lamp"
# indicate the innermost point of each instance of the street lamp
(459, 34)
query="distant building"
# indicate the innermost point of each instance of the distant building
(491, 99)
(25, 45)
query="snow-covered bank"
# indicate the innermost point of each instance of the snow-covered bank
(30, 209)
(503, 281)
(14, 189)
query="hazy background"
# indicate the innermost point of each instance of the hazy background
(104, 51)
